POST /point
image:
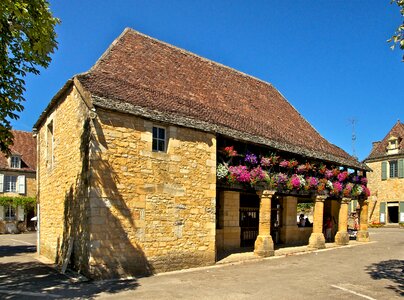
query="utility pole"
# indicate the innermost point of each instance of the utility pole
(353, 122)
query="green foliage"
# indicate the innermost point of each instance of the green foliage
(398, 37)
(27, 38)
(26, 202)
(304, 206)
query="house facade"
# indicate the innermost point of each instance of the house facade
(386, 159)
(18, 184)
(146, 164)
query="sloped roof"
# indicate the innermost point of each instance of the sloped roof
(144, 76)
(379, 148)
(24, 146)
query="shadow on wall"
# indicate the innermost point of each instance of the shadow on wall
(392, 270)
(108, 220)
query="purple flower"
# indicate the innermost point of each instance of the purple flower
(281, 178)
(251, 158)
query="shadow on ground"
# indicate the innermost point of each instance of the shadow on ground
(392, 270)
(22, 280)
(23, 277)
(16, 250)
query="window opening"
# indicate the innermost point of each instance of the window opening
(10, 212)
(159, 139)
(10, 183)
(393, 168)
(15, 162)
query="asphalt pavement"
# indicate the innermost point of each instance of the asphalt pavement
(371, 270)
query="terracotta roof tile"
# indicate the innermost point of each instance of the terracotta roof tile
(142, 71)
(379, 148)
(25, 146)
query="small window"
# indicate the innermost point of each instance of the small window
(50, 144)
(10, 212)
(159, 139)
(10, 184)
(393, 168)
(15, 162)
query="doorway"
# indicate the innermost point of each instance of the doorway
(392, 212)
(249, 219)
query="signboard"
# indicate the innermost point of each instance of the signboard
(402, 217)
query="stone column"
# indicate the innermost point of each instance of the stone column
(342, 237)
(231, 220)
(363, 234)
(289, 232)
(317, 239)
(264, 245)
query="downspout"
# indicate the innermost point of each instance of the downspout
(38, 214)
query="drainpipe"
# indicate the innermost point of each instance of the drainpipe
(38, 215)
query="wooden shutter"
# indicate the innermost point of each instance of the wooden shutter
(384, 170)
(20, 213)
(21, 184)
(400, 168)
(382, 212)
(1, 183)
(401, 211)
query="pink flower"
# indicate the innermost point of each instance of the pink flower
(366, 190)
(240, 173)
(295, 182)
(364, 180)
(266, 161)
(313, 182)
(342, 176)
(328, 174)
(257, 174)
(337, 187)
(284, 164)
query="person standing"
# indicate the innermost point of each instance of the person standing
(328, 229)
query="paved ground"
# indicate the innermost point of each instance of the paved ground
(366, 271)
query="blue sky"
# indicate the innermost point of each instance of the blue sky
(330, 59)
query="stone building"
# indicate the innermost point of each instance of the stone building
(386, 159)
(129, 159)
(17, 184)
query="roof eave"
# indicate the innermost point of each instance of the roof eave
(52, 104)
(124, 107)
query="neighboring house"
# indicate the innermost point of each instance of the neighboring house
(386, 159)
(17, 182)
(135, 169)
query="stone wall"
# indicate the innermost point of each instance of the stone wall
(150, 211)
(60, 180)
(391, 189)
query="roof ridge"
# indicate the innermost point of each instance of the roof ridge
(106, 52)
(181, 50)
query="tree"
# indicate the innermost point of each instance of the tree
(398, 37)
(27, 38)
